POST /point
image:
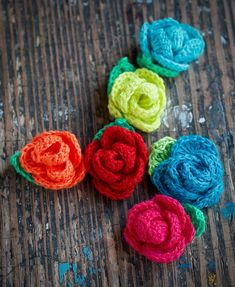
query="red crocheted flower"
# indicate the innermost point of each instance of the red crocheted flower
(159, 229)
(116, 162)
(54, 160)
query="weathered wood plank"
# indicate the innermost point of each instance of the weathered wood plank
(55, 58)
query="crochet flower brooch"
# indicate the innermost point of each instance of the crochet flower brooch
(188, 169)
(116, 160)
(138, 95)
(161, 228)
(52, 160)
(167, 46)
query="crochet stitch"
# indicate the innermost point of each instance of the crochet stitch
(118, 122)
(197, 217)
(122, 67)
(116, 160)
(138, 96)
(15, 162)
(168, 46)
(52, 159)
(193, 173)
(159, 229)
(160, 151)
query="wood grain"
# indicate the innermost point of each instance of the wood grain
(55, 58)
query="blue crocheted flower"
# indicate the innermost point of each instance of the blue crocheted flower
(171, 44)
(193, 173)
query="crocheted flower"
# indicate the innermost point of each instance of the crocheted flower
(168, 46)
(192, 173)
(159, 229)
(136, 95)
(53, 160)
(116, 160)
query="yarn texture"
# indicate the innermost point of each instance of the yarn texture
(168, 46)
(145, 61)
(123, 66)
(15, 162)
(193, 173)
(53, 160)
(138, 96)
(160, 151)
(118, 122)
(159, 229)
(197, 217)
(116, 160)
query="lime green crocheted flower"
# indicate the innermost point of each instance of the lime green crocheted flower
(139, 97)
(197, 218)
(159, 152)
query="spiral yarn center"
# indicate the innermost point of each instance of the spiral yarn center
(151, 227)
(145, 102)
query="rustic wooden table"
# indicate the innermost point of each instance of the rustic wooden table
(55, 58)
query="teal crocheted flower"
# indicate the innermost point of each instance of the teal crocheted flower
(167, 46)
(189, 170)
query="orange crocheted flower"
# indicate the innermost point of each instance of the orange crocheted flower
(54, 160)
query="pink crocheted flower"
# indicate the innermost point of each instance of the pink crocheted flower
(159, 229)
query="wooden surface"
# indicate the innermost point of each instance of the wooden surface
(55, 58)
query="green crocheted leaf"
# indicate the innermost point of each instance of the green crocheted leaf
(197, 218)
(146, 62)
(159, 152)
(14, 161)
(122, 66)
(118, 122)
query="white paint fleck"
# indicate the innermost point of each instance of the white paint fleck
(169, 102)
(18, 64)
(72, 2)
(21, 120)
(58, 113)
(47, 226)
(223, 40)
(185, 116)
(38, 41)
(178, 115)
(79, 194)
(1, 114)
(209, 32)
(164, 118)
(204, 9)
(45, 117)
(202, 120)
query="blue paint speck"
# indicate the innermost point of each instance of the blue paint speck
(183, 264)
(87, 252)
(78, 278)
(228, 211)
(211, 265)
(90, 269)
(63, 268)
